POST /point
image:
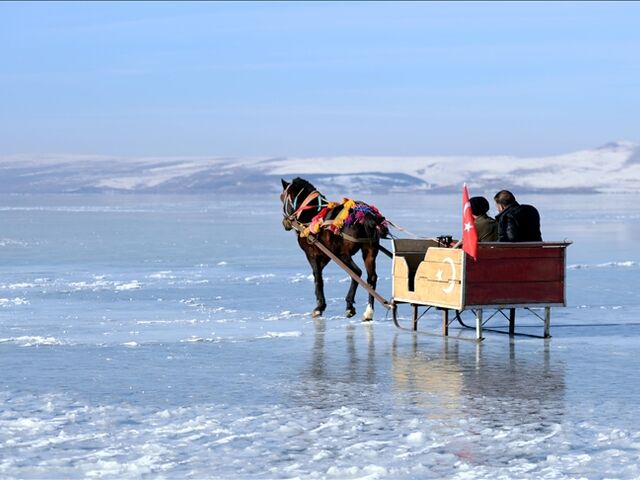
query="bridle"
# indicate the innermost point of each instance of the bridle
(294, 207)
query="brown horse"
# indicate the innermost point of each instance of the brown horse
(362, 230)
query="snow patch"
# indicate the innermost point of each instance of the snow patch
(624, 264)
(33, 341)
(257, 278)
(8, 242)
(162, 274)
(134, 285)
(281, 334)
(12, 302)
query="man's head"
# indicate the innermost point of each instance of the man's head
(504, 199)
(479, 206)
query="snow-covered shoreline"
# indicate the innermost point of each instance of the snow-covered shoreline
(611, 168)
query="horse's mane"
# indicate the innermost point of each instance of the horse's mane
(303, 184)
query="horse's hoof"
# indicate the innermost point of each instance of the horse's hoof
(316, 313)
(368, 314)
(350, 312)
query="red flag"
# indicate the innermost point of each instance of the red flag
(469, 233)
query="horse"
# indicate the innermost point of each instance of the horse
(308, 212)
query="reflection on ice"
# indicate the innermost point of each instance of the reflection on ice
(357, 367)
(453, 379)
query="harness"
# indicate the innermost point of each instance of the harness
(335, 225)
(323, 207)
(292, 220)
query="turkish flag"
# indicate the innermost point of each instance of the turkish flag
(469, 233)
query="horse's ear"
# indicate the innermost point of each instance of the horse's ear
(284, 183)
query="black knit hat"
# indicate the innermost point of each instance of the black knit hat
(479, 205)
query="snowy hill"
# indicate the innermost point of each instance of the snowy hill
(614, 167)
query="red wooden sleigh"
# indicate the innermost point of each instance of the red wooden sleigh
(503, 278)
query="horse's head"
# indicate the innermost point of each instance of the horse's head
(292, 197)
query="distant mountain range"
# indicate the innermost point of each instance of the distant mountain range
(614, 167)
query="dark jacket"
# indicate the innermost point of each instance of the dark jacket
(519, 223)
(487, 228)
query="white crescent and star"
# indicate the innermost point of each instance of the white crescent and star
(452, 281)
(467, 225)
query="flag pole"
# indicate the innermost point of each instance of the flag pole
(459, 244)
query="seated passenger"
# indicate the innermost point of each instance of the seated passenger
(516, 223)
(486, 226)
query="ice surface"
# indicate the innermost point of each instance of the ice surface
(170, 337)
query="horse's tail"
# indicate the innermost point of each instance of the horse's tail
(375, 227)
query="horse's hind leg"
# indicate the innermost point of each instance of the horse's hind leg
(369, 255)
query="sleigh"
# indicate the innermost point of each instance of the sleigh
(504, 277)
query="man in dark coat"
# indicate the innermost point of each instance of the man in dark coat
(516, 223)
(486, 226)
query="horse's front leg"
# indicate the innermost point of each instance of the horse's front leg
(317, 265)
(351, 294)
(369, 257)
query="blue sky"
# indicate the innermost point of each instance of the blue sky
(316, 78)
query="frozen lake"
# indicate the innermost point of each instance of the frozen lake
(170, 337)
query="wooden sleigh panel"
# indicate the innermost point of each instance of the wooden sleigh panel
(436, 280)
(519, 274)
